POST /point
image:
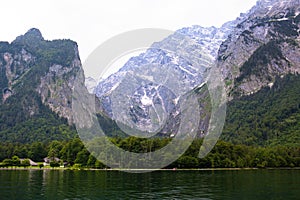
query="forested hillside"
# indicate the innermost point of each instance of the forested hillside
(268, 117)
(27, 72)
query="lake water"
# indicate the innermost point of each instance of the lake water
(66, 184)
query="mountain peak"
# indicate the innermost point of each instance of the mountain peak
(32, 35)
(34, 32)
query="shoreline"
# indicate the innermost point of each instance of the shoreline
(148, 170)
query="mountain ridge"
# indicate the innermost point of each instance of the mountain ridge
(256, 53)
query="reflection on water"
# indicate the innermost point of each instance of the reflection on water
(65, 184)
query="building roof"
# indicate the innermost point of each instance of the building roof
(32, 163)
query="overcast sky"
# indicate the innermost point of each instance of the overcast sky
(91, 22)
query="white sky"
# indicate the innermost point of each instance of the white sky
(92, 22)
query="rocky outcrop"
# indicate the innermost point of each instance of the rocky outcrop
(56, 87)
(14, 66)
(264, 45)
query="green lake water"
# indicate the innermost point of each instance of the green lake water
(212, 184)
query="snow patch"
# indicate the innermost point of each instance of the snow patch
(113, 88)
(270, 85)
(185, 70)
(176, 100)
(282, 19)
(146, 101)
(175, 60)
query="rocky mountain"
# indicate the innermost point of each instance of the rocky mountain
(252, 52)
(36, 83)
(262, 46)
(196, 39)
(257, 54)
(154, 81)
(260, 65)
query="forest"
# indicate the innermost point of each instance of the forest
(269, 117)
(223, 155)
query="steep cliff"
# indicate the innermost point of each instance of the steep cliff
(37, 77)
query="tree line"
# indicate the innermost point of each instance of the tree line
(223, 155)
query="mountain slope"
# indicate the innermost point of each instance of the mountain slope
(260, 64)
(36, 83)
(261, 47)
(152, 83)
(269, 117)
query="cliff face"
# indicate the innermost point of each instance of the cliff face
(265, 44)
(35, 71)
(56, 86)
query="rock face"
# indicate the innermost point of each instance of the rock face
(263, 45)
(56, 87)
(12, 67)
(34, 70)
(194, 40)
(90, 84)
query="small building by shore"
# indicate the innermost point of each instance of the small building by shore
(32, 163)
(48, 160)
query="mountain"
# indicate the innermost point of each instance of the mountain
(260, 65)
(258, 56)
(168, 52)
(261, 47)
(36, 83)
(154, 82)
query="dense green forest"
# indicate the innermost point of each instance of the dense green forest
(224, 154)
(269, 117)
(17, 126)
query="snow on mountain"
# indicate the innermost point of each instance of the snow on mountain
(270, 26)
(151, 84)
(170, 52)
